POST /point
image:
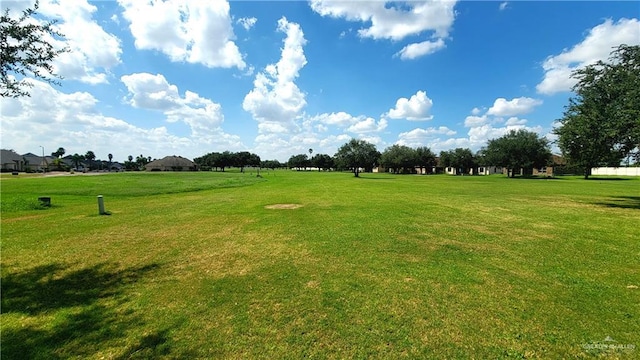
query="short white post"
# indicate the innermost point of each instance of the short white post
(100, 205)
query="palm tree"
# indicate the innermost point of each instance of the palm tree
(76, 158)
(59, 153)
(90, 156)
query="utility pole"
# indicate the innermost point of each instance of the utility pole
(44, 169)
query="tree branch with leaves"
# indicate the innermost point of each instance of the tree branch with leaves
(27, 52)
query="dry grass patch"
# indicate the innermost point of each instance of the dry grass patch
(283, 206)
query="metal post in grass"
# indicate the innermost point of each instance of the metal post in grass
(101, 205)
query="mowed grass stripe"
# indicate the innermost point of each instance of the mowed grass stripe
(382, 266)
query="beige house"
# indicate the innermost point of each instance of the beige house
(172, 163)
(556, 160)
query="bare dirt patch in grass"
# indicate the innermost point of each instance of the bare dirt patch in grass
(283, 206)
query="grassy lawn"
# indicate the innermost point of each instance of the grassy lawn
(192, 265)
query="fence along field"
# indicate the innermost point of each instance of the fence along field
(196, 265)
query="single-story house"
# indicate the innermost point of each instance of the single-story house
(34, 162)
(172, 163)
(489, 170)
(556, 160)
(11, 160)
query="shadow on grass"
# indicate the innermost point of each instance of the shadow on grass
(623, 202)
(532, 177)
(365, 177)
(50, 287)
(77, 313)
(151, 346)
(607, 179)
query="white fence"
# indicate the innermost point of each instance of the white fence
(618, 171)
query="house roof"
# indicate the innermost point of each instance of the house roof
(37, 159)
(171, 161)
(9, 156)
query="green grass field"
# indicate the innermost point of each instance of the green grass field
(193, 265)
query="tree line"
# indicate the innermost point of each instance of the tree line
(226, 159)
(91, 162)
(516, 150)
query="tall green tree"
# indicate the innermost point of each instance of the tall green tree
(462, 159)
(399, 158)
(322, 162)
(270, 164)
(26, 52)
(241, 159)
(356, 155)
(225, 160)
(517, 150)
(298, 161)
(90, 155)
(141, 161)
(426, 159)
(601, 124)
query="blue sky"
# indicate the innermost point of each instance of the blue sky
(280, 77)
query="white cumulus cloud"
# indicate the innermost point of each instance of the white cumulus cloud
(275, 98)
(247, 23)
(515, 121)
(153, 92)
(368, 125)
(516, 106)
(417, 50)
(341, 119)
(93, 51)
(422, 137)
(415, 108)
(474, 120)
(396, 21)
(392, 20)
(597, 45)
(193, 31)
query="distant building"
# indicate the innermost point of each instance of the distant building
(556, 161)
(11, 160)
(489, 170)
(172, 163)
(616, 171)
(35, 162)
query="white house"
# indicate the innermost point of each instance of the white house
(489, 170)
(617, 171)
